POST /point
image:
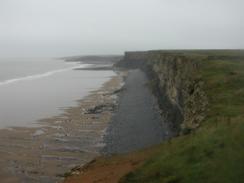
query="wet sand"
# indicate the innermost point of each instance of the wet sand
(45, 153)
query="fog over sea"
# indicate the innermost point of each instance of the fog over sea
(36, 88)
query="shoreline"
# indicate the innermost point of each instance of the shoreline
(62, 142)
(137, 116)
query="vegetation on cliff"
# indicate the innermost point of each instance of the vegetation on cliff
(215, 151)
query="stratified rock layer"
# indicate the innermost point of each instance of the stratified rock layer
(176, 82)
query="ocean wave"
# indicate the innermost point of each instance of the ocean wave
(37, 76)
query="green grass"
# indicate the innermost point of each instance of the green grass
(214, 153)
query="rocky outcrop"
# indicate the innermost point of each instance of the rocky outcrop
(176, 82)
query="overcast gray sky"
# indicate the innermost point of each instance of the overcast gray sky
(75, 27)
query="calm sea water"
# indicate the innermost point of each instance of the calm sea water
(36, 88)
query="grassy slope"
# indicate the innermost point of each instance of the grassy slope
(213, 153)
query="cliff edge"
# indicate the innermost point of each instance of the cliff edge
(177, 84)
(199, 91)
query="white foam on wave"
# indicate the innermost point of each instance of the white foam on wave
(38, 76)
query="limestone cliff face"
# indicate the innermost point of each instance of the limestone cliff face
(133, 60)
(176, 82)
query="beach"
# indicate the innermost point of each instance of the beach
(60, 143)
(136, 117)
(113, 119)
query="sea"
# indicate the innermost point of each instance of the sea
(36, 88)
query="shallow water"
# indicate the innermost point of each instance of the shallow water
(31, 89)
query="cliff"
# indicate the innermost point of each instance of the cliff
(133, 60)
(181, 80)
(176, 82)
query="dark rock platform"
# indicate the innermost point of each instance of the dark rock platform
(137, 122)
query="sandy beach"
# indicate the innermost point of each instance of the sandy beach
(45, 153)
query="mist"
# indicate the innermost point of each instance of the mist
(54, 28)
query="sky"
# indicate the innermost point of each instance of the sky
(80, 27)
